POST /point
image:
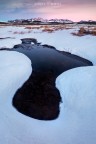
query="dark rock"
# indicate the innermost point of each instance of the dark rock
(38, 43)
(16, 46)
(5, 38)
(23, 46)
(48, 46)
(29, 40)
(5, 49)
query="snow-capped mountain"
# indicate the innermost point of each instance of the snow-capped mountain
(40, 20)
(61, 20)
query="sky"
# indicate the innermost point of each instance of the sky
(75, 10)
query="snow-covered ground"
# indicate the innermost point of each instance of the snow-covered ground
(77, 121)
(78, 91)
(63, 40)
(15, 68)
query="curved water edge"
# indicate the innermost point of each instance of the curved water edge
(38, 97)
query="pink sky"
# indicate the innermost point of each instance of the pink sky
(68, 9)
(75, 13)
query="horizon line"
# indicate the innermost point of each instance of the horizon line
(44, 19)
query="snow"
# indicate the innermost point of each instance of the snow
(77, 120)
(15, 69)
(63, 40)
(78, 91)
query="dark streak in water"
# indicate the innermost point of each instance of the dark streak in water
(38, 97)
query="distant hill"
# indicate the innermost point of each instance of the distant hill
(3, 22)
(87, 22)
(40, 21)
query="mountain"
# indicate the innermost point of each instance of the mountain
(40, 21)
(50, 21)
(61, 21)
(3, 23)
(87, 22)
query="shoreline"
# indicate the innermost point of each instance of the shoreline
(38, 97)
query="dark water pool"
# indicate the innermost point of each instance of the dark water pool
(47, 59)
(38, 97)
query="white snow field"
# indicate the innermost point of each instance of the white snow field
(76, 123)
(15, 69)
(78, 91)
(63, 40)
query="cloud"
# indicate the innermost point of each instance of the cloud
(47, 8)
(61, 1)
(37, 4)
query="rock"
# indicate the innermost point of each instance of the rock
(29, 40)
(48, 46)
